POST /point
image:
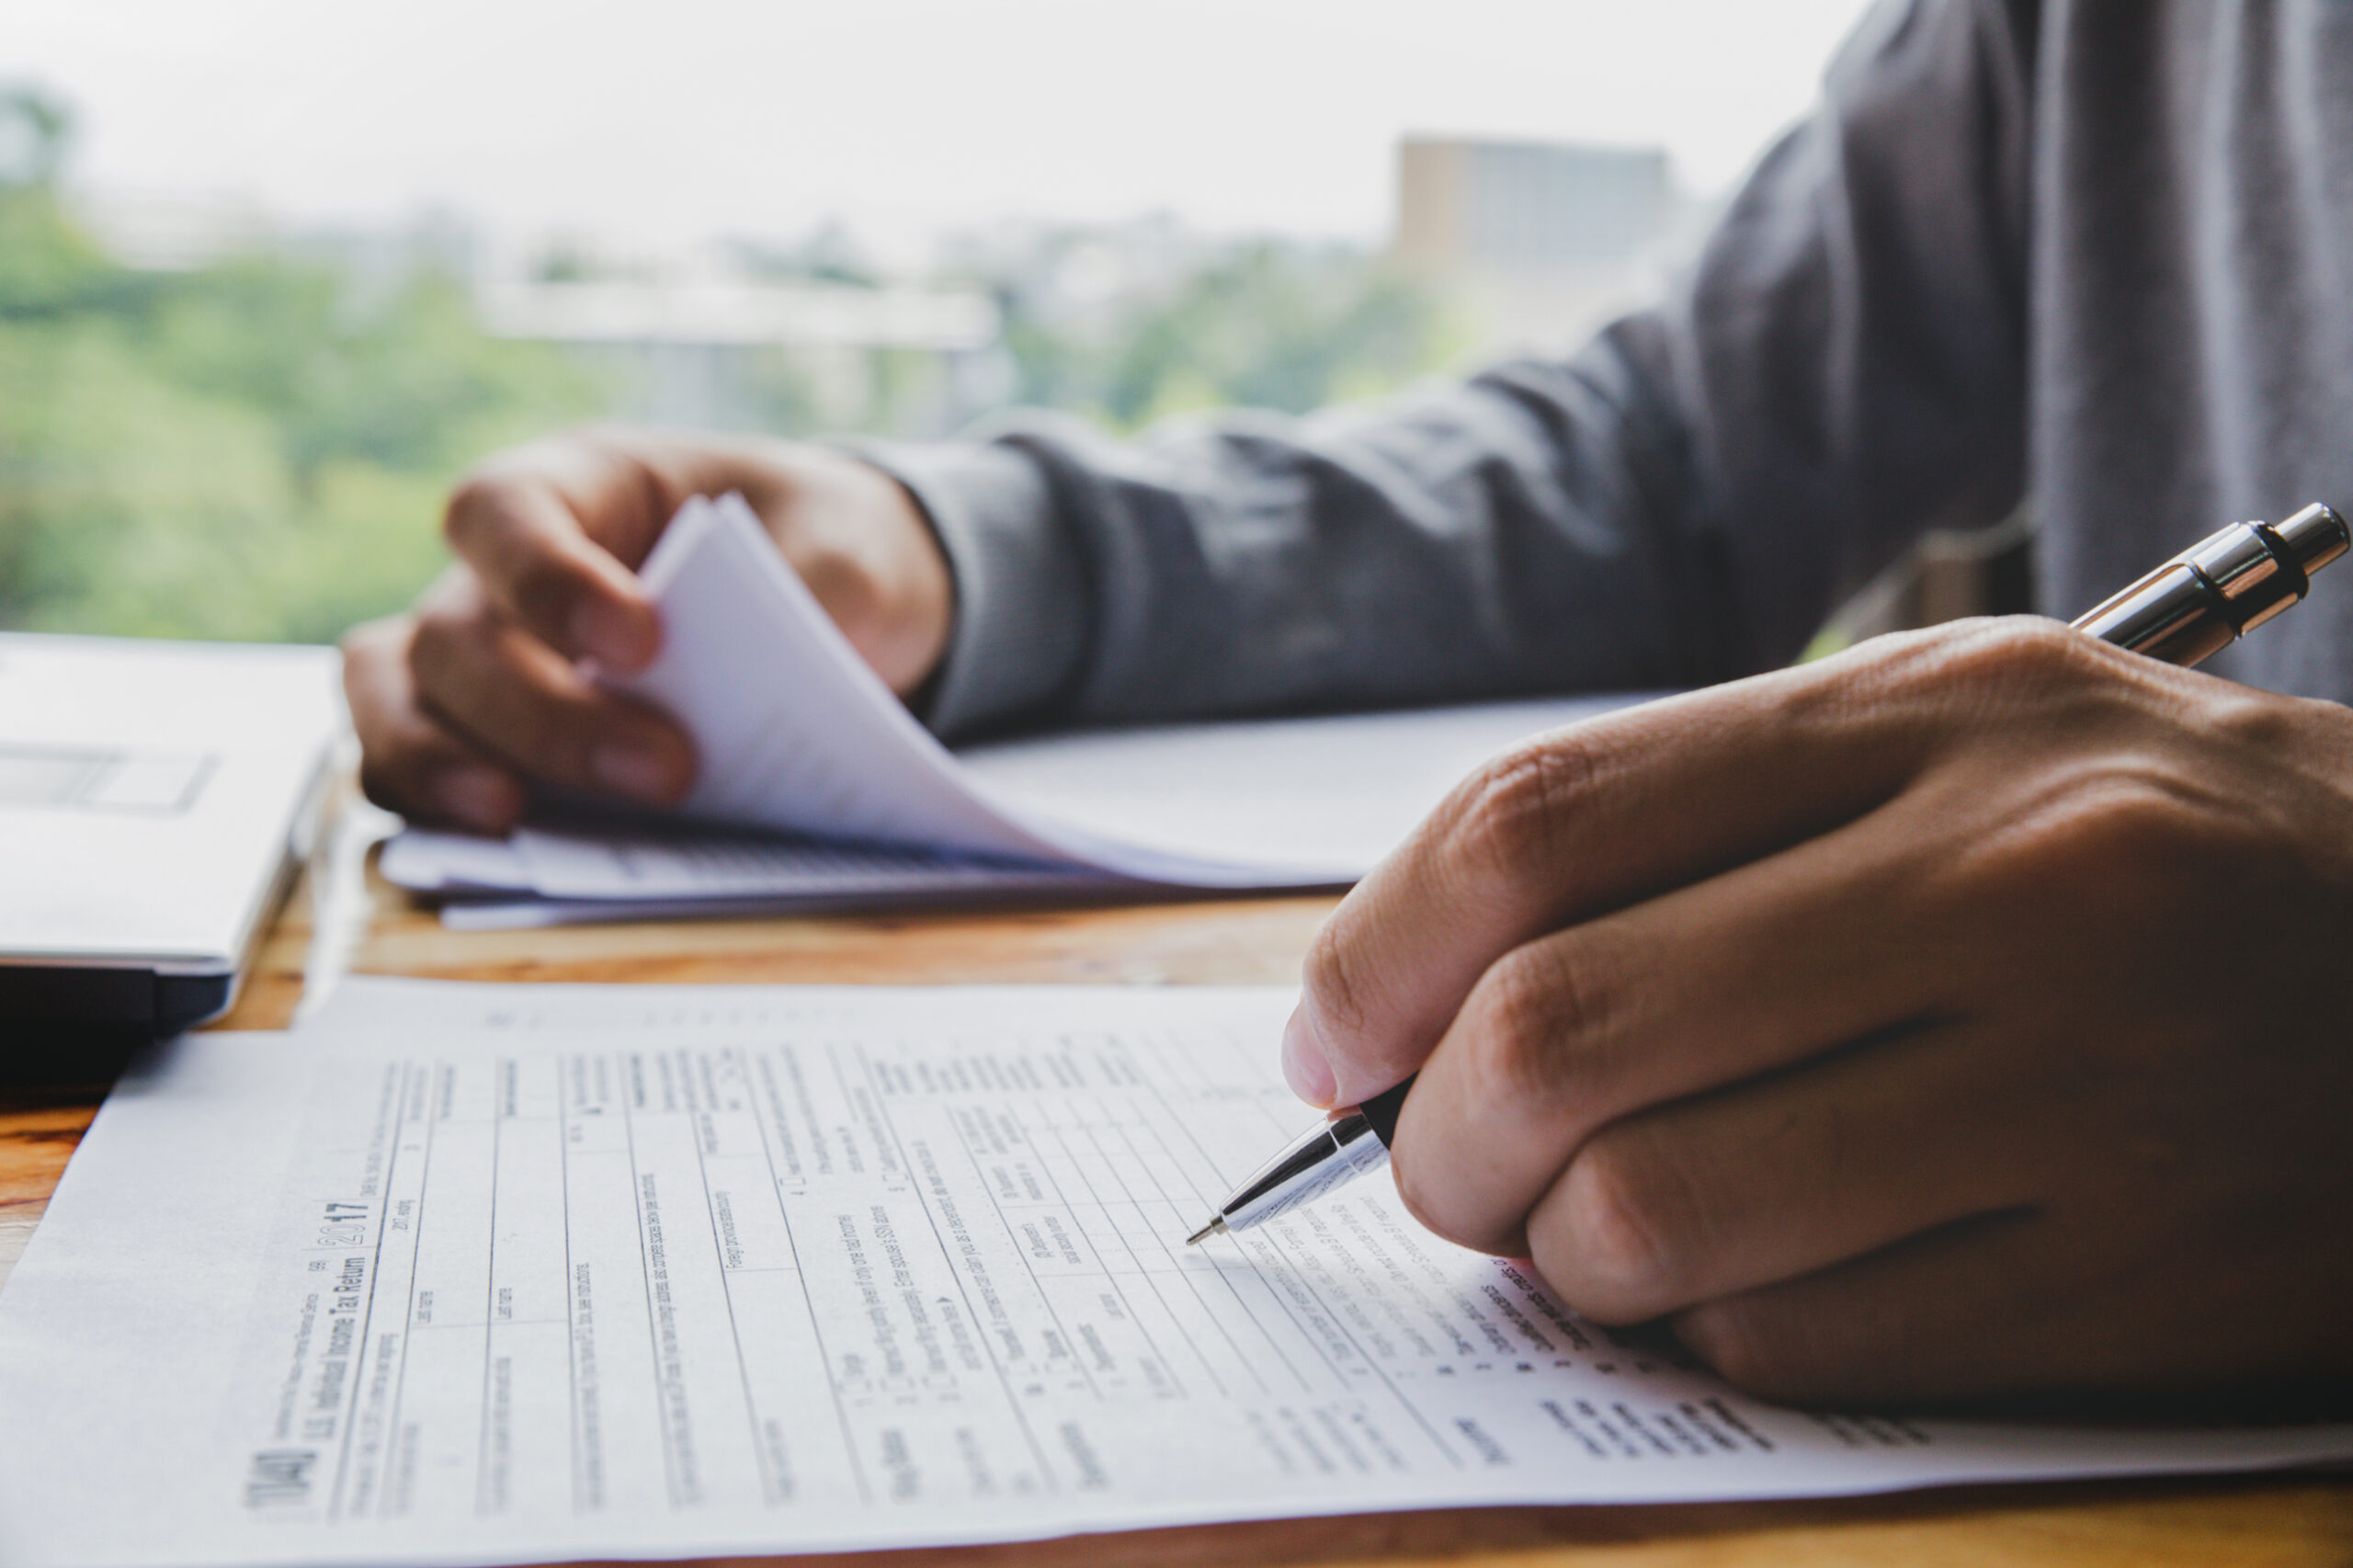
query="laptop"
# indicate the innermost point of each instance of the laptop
(155, 801)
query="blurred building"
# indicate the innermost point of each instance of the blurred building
(719, 353)
(1539, 241)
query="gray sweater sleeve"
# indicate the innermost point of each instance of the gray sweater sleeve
(1677, 503)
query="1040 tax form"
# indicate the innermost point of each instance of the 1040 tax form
(513, 1273)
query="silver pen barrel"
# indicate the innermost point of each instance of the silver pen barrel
(1324, 1156)
(2221, 588)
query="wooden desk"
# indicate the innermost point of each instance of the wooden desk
(2268, 1522)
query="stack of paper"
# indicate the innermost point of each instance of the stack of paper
(556, 874)
(835, 794)
(487, 1274)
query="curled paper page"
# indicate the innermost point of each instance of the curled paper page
(797, 733)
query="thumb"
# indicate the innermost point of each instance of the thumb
(1567, 826)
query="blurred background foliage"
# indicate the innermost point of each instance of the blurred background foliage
(247, 449)
(255, 445)
(1258, 324)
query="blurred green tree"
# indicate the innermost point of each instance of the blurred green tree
(258, 447)
(252, 449)
(1260, 323)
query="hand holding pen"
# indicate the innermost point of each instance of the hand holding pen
(1941, 1019)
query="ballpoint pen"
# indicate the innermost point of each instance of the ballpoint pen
(2183, 612)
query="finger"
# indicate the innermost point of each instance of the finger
(1626, 806)
(2081, 1293)
(2002, 1305)
(1566, 824)
(532, 554)
(520, 701)
(1789, 1175)
(408, 762)
(1801, 952)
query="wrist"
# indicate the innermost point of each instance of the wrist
(1020, 613)
(861, 542)
(917, 615)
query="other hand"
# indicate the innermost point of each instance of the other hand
(1968, 1015)
(464, 701)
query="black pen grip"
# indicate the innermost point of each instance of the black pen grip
(1382, 1108)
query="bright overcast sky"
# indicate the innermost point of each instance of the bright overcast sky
(691, 117)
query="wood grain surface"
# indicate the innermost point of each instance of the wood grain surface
(2276, 1522)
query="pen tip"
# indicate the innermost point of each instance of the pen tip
(1206, 1232)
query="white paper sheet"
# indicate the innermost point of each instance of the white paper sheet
(619, 869)
(798, 736)
(1334, 791)
(792, 730)
(492, 1274)
(577, 863)
(796, 733)
(429, 861)
(1339, 790)
(624, 871)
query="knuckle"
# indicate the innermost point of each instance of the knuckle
(1532, 1017)
(1333, 975)
(1429, 1172)
(543, 588)
(441, 649)
(2017, 650)
(2253, 721)
(1760, 1352)
(396, 770)
(1507, 816)
(1986, 662)
(463, 679)
(476, 501)
(380, 781)
(2111, 834)
(1510, 1035)
(1627, 1224)
(2121, 821)
(1422, 1188)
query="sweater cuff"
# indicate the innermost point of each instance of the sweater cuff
(1020, 626)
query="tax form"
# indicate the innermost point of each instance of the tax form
(510, 1273)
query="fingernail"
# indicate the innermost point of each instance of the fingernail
(632, 767)
(610, 635)
(479, 796)
(1306, 1067)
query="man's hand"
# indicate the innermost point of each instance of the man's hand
(1968, 1015)
(479, 690)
